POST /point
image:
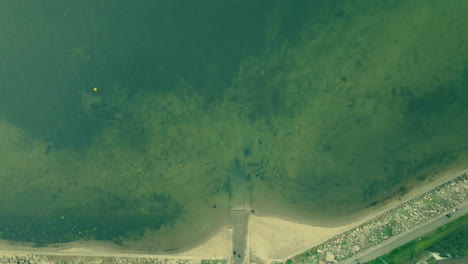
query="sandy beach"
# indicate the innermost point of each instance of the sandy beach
(217, 247)
(270, 237)
(279, 237)
(274, 238)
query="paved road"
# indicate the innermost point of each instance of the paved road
(402, 239)
(239, 224)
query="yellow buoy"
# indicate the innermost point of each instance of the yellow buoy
(95, 89)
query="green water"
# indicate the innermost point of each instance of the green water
(307, 109)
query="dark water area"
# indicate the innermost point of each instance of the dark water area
(126, 121)
(66, 47)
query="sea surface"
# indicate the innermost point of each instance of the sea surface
(144, 122)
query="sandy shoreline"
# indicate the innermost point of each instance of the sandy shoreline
(280, 237)
(272, 237)
(369, 213)
(216, 247)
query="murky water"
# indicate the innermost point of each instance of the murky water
(311, 110)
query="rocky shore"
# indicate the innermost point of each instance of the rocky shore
(406, 216)
(41, 259)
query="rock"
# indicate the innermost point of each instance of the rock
(329, 256)
(356, 248)
(362, 238)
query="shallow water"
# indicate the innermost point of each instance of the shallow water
(311, 110)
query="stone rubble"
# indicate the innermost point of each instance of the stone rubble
(47, 259)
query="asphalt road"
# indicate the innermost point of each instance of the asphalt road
(239, 224)
(402, 239)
